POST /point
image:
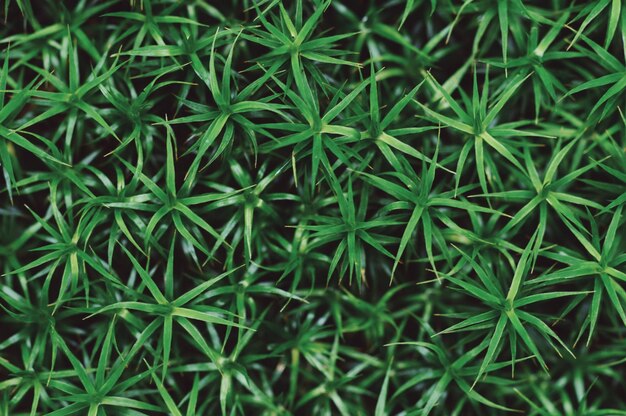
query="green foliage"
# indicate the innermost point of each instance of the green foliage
(312, 207)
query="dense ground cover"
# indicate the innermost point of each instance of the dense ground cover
(312, 207)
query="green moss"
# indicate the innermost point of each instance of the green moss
(312, 207)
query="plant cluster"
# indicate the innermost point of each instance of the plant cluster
(312, 207)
